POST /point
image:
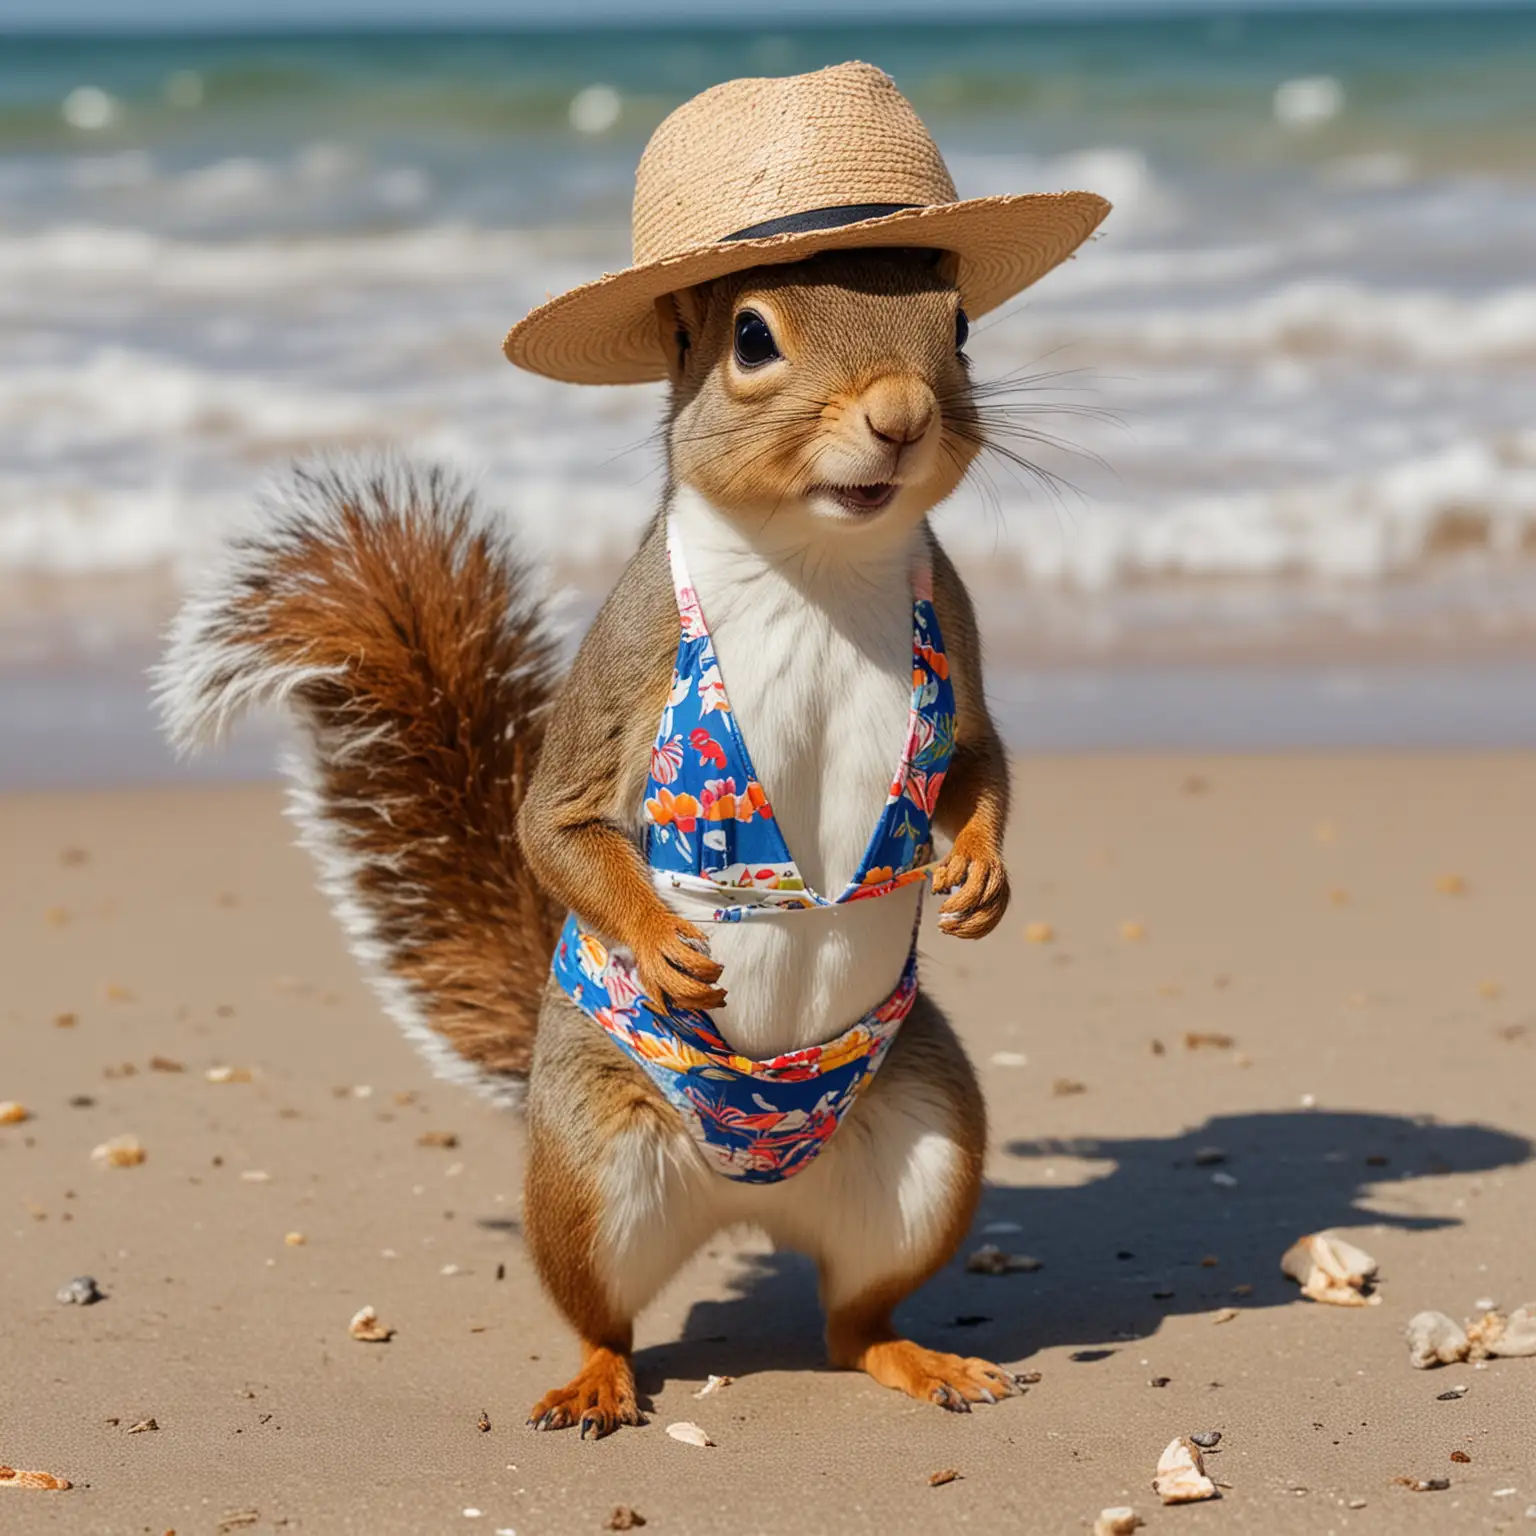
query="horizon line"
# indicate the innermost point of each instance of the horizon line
(689, 14)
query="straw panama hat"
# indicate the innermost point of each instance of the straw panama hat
(757, 172)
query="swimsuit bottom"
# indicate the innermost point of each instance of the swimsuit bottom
(756, 1121)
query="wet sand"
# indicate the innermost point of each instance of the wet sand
(1378, 1075)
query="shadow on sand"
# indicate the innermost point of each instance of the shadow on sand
(1133, 1217)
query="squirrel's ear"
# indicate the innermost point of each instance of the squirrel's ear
(675, 337)
(680, 318)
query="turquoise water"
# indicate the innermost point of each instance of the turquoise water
(1451, 85)
(1309, 326)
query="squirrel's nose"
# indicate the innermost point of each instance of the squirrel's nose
(899, 408)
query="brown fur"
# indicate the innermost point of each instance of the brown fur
(479, 840)
(408, 630)
(860, 1336)
(579, 818)
(870, 344)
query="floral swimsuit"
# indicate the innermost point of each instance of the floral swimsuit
(711, 833)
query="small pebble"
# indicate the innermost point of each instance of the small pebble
(1207, 1438)
(120, 1152)
(938, 1479)
(1209, 1157)
(142, 1427)
(295, 1239)
(81, 1292)
(1454, 1395)
(1451, 885)
(1357, 1504)
(1132, 931)
(1223, 1180)
(1038, 933)
(1225, 1315)
(12, 1113)
(1160, 1381)
(1119, 1521)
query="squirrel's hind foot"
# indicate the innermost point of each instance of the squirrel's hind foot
(600, 1398)
(954, 1382)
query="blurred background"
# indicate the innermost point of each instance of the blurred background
(1286, 488)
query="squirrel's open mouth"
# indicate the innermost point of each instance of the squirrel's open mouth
(860, 498)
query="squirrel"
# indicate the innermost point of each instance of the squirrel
(547, 887)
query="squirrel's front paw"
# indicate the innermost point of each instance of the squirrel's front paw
(978, 884)
(674, 966)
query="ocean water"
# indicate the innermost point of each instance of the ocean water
(1298, 366)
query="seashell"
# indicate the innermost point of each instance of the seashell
(12, 1113)
(1434, 1339)
(10, 1477)
(689, 1434)
(1519, 1335)
(1509, 1337)
(1181, 1475)
(366, 1328)
(714, 1384)
(1331, 1270)
(120, 1152)
(1119, 1521)
(228, 1074)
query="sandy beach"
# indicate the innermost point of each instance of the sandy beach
(1330, 988)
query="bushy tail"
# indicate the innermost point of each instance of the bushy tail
(390, 612)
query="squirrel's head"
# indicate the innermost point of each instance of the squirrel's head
(828, 391)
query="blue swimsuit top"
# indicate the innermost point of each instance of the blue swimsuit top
(711, 832)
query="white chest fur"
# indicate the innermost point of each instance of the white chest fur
(814, 641)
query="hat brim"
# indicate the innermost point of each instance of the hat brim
(605, 332)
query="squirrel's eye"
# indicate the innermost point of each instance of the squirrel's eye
(754, 341)
(962, 330)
